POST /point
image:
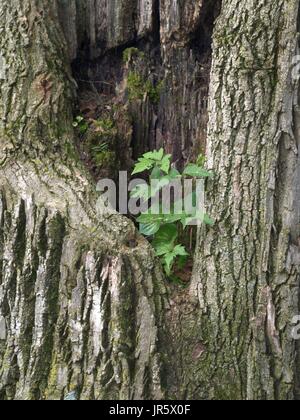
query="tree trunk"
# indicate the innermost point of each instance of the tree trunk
(247, 268)
(85, 311)
(80, 309)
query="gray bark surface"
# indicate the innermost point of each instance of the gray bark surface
(246, 276)
(84, 308)
(80, 310)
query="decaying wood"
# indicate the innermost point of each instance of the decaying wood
(247, 268)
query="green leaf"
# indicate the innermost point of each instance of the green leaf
(156, 173)
(180, 250)
(172, 218)
(201, 159)
(198, 217)
(164, 239)
(207, 220)
(204, 218)
(197, 172)
(146, 218)
(142, 165)
(83, 128)
(170, 258)
(155, 155)
(81, 124)
(155, 213)
(167, 233)
(162, 248)
(173, 174)
(182, 260)
(169, 261)
(149, 229)
(185, 220)
(165, 163)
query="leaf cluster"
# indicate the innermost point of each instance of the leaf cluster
(154, 223)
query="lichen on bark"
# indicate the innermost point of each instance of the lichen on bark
(85, 315)
(80, 310)
(246, 277)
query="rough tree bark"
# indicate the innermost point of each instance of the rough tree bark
(247, 268)
(80, 308)
(84, 307)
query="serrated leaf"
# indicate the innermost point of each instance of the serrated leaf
(155, 155)
(165, 164)
(142, 166)
(169, 260)
(164, 239)
(162, 249)
(180, 250)
(167, 233)
(196, 172)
